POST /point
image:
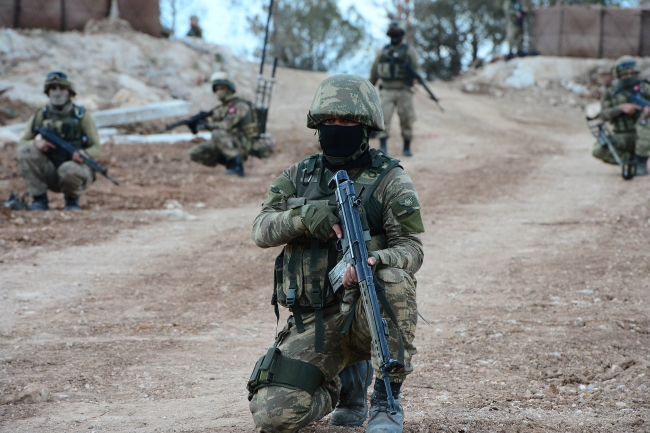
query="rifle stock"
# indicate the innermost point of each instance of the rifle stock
(51, 136)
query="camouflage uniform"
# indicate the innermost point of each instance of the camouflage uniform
(195, 30)
(514, 26)
(625, 126)
(396, 92)
(229, 138)
(54, 170)
(393, 221)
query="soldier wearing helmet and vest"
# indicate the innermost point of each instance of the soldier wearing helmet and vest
(233, 125)
(321, 359)
(45, 167)
(627, 119)
(396, 85)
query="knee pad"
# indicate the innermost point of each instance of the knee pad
(275, 369)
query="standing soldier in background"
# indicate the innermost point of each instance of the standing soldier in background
(515, 13)
(195, 30)
(624, 117)
(233, 125)
(42, 165)
(396, 85)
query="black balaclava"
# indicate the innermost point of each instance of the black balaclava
(629, 82)
(396, 38)
(344, 147)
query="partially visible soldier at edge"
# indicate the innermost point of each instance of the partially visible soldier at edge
(630, 138)
(195, 30)
(323, 364)
(233, 125)
(396, 85)
(43, 166)
(515, 13)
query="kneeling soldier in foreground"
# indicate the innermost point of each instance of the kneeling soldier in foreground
(319, 361)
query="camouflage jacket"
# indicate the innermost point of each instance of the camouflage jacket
(195, 32)
(393, 76)
(74, 124)
(610, 111)
(234, 116)
(393, 220)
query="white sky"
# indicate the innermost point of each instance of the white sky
(224, 25)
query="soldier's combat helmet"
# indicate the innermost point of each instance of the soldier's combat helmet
(221, 78)
(348, 97)
(395, 28)
(59, 79)
(625, 65)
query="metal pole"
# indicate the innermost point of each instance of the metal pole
(601, 43)
(266, 37)
(62, 15)
(16, 13)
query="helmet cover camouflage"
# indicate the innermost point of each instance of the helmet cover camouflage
(395, 28)
(625, 65)
(348, 97)
(59, 79)
(221, 78)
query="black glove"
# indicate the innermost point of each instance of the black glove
(319, 219)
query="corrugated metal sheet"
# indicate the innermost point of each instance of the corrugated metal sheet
(143, 15)
(587, 31)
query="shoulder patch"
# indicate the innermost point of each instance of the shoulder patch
(407, 211)
(79, 111)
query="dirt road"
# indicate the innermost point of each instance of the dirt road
(535, 279)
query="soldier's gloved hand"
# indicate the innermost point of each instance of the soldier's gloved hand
(319, 220)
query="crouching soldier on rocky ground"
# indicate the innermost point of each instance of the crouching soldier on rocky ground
(627, 119)
(233, 125)
(320, 362)
(41, 163)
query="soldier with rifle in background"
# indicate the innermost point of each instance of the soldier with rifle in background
(515, 13)
(195, 30)
(623, 105)
(392, 67)
(234, 127)
(45, 165)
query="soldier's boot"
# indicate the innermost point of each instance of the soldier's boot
(39, 203)
(72, 203)
(383, 145)
(641, 165)
(352, 408)
(407, 148)
(235, 166)
(381, 421)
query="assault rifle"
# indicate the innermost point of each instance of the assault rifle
(66, 147)
(412, 73)
(355, 252)
(193, 122)
(606, 139)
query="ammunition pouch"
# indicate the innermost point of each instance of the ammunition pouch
(275, 369)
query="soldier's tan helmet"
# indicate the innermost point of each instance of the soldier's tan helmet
(221, 78)
(625, 65)
(348, 97)
(60, 79)
(395, 28)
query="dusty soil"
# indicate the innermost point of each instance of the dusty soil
(142, 318)
(13, 111)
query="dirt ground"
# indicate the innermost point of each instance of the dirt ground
(147, 311)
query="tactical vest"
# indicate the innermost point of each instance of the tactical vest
(392, 63)
(626, 123)
(68, 127)
(248, 126)
(301, 280)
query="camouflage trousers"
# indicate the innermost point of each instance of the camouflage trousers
(277, 409)
(515, 36)
(40, 174)
(623, 143)
(642, 147)
(222, 147)
(402, 99)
